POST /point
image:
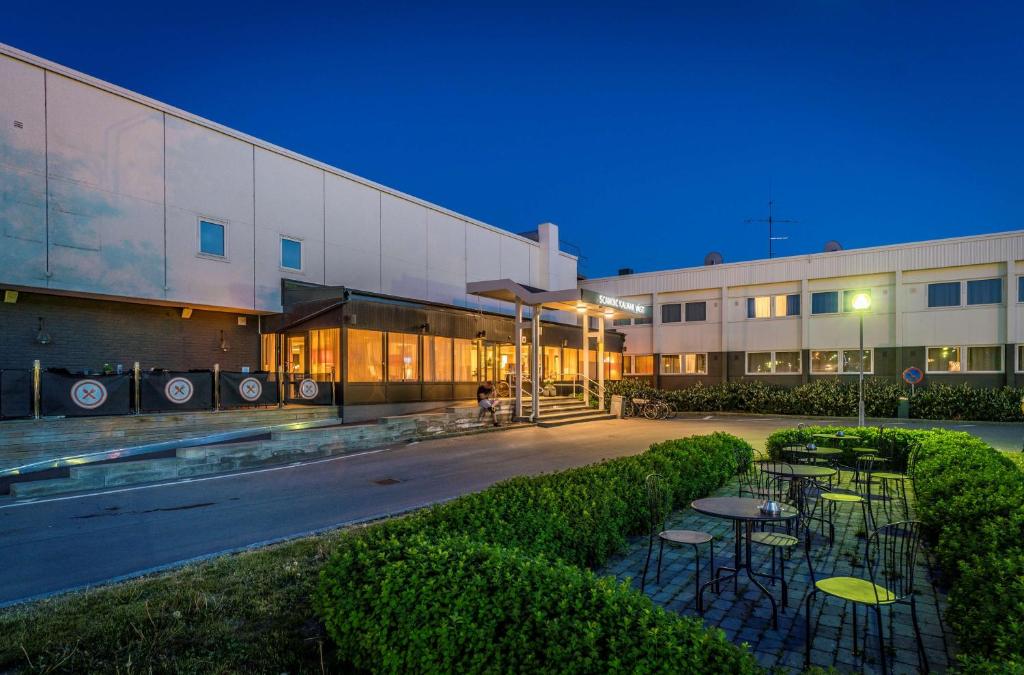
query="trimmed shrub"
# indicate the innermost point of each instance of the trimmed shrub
(454, 605)
(832, 397)
(896, 443)
(499, 574)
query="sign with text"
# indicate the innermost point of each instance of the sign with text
(629, 306)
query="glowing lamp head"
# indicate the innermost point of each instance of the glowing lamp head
(861, 302)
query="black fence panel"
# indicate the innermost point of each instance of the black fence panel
(71, 395)
(15, 393)
(247, 389)
(164, 390)
(305, 390)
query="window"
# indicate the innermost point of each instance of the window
(695, 364)
(848, 297)
(767, 363)
(211, 239)
(570, 363)
(642, 321)
(670, 364)
(552, 365)
(437, 359)
(621, 322)
(640, 364)
(943, 360)
(291, 254)
(985, 359)
(759, 307)
(324, 351)
(696, 311)
(403, 357)
(792, 305)
(268, 352)
(826, 302)
(365, 360)
(984, 291)
(1020, 289)
(836, 361)
(1020, 356)
(671, 314)
(466, 361)
(613, 365)
(946, 294)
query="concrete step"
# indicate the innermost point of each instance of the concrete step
(575, 419)
(44, 488)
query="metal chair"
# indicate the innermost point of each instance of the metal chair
(893, 484)
(657, 511)
(752, 481)
(776, 541)
(891, 562)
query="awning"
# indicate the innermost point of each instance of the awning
(581, 300)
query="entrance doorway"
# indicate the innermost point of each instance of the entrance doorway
(295, 354)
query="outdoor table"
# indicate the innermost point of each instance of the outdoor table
(799, 473)
(818, 453)
(744, 512)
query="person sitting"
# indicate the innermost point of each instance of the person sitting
(485, 400)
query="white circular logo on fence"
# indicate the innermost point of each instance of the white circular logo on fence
(308, 389)
(88, 394)
(178, 390)
(250, 388)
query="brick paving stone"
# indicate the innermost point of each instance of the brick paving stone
(745, 616)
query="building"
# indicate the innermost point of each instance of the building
(131, 231)
(950, 307)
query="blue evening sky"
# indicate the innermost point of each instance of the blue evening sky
(648, 131)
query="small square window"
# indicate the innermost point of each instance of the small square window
(211, 238)
(671, 313)
(670, 364)
(946, 294)
(291, 254)
(696, 311)
(826, 302)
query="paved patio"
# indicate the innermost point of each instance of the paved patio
(747, 617)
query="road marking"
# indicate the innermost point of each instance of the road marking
(193, 480)
(709, 417)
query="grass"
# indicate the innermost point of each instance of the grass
(248, 612)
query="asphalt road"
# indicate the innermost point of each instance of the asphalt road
(62, 543)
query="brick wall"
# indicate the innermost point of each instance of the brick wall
(88, 333)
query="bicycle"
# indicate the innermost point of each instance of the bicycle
(657, 410)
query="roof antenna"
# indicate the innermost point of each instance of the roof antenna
(771, 220)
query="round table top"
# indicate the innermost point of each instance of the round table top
(798, 470)
(739, 508)
(835, 436)
(823, 452)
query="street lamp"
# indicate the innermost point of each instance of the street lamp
(861, 304)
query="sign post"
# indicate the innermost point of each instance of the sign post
(914, 375)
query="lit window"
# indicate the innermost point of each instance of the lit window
(985, 292)
(825, 361)
(613, 365)
(551, 368)
(767, 363)
(695, 364)
(671, 313)
(570, 363)
(946, 294)
(835, 361)
(466, 361)
(324, 348)
(759, 363)
(759, 307)
(696, 311)
(943, 360)
(268, 352)
(787, 305)
(640, 364)
(670, 364)
(403, 361)
(826, 302)
(437, 359)
(365, 359)
(291, 254)
(852, 361)
(211, 238)
(787, 362)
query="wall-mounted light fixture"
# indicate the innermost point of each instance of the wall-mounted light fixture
(223, 342)
(10, 297)
(425, 327)
(481, 334)
(42, 337)
(186, 312)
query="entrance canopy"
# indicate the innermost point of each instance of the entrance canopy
(579, 300)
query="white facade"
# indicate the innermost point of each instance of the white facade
(898, 278)
(103, 191)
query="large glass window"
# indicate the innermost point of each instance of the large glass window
(943, 360)
(640, 364)
(671, 364)
(984, 291)
(613, 365)
(268, 352)
(946, 294)
(291, 253)
(697, 311)
(985, 359)
(825, 361)
(365, 359)
(848, 297)
(467, 368)
(570, 363)
(835, 361)
(211, 239)
(852, 360)
(552, 366)
(403, 357)
(826, 302)
(671, 313)
(695, 364)
(437, 358)
(324, 353)
(766, 363)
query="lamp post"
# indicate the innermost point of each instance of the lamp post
(861, 304)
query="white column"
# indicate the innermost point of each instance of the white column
(724, 307)
(585, 366)
(600, 362)
(518, 337)
(535, 362)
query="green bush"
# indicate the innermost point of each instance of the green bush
(893, 442)
(832, 397)
(574, 518)
(454, 605)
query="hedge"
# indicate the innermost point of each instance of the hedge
(893, 442)
(832, 397)
(475, 567)
(970, 499)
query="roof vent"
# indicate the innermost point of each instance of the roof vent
(625, 271)
(713, 258)
(832, 246)
(18, 124)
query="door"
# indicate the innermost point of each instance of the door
(295, 354)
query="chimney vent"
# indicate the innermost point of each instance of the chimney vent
(625, 271)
